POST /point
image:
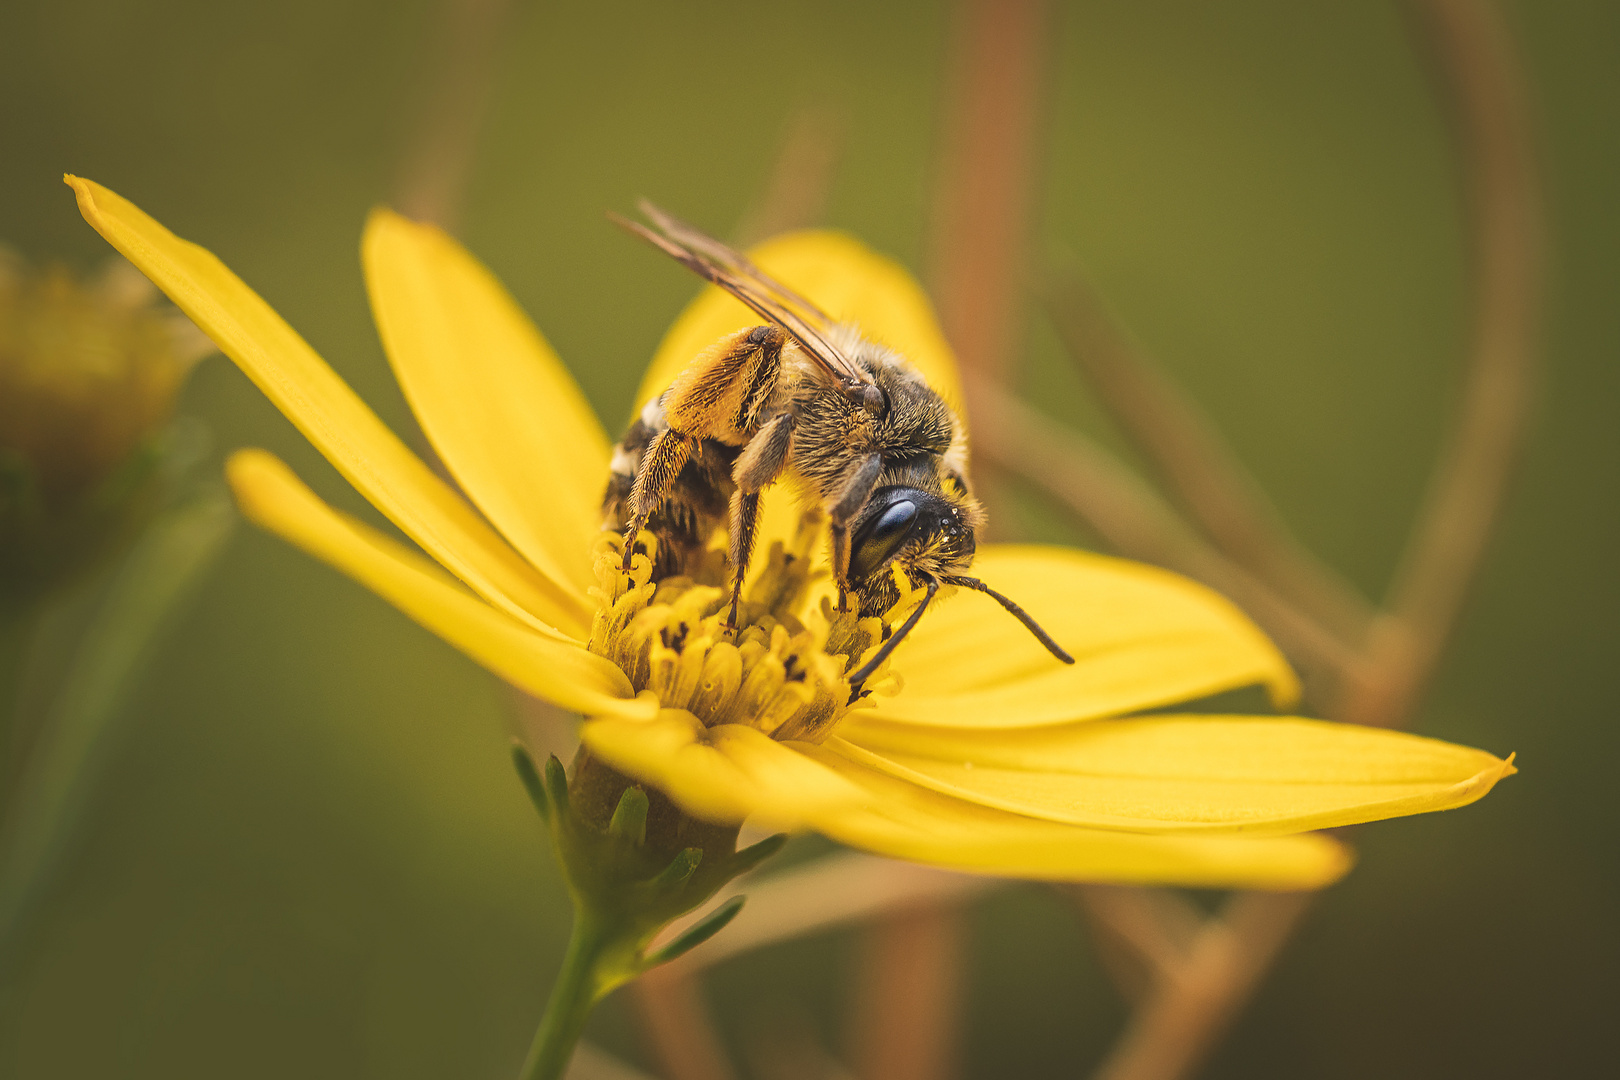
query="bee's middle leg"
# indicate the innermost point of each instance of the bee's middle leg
(760, 463)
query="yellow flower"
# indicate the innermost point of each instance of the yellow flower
(88, 369)
(985, 755)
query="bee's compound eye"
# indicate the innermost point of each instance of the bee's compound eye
(878, 541)
(895, 520)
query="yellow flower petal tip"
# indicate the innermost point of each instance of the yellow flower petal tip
(252, 473)
(334, 418)
(1169, 773)
(90, 197)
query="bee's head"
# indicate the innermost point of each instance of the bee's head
(930, 535)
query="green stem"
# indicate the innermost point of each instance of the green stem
(572, 998)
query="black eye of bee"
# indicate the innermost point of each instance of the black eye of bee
(881, 536)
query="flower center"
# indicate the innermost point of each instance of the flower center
(783, 670)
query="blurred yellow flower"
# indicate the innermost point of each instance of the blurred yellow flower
(89, 372)
(988, 757)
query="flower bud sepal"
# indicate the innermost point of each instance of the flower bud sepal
(633, 863)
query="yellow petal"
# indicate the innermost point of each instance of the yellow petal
(905, 821)
(1205, 773)
(554, 668)
(724, 774)
(329, 413)
(499, 407)
(1141, 637)
(842, 276)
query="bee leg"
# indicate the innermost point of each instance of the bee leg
(660, 465)
(840, 560)
(854, 489)
(744, 528)
(720, 395)
(758, 466)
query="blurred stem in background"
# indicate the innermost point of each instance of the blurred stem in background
(102, 533)
(438, 160)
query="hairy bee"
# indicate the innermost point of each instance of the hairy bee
(805, 397)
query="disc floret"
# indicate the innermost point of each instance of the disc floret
(782, 670)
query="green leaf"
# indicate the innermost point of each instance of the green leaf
(531, 780)
(754, 854)
(629, 820)
(557, 788)
(679, 871)
(696, 934)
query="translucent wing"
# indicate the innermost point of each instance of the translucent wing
(770, 299)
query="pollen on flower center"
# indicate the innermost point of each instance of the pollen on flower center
(783, 671)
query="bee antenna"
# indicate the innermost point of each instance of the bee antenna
(1016, 612)
(866, 669)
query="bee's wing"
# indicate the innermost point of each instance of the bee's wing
(770, 299)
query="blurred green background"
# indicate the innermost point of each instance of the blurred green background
(309, 856)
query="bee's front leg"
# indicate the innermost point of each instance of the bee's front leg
(854, 489)
(758, 466)
(665, 457)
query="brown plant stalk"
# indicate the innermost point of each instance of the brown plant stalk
(1131, 517)
(1484, 90)
(432, 180)
(1193, 459)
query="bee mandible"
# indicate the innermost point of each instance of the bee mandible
(803, 396)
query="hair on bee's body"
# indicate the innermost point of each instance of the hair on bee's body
(834, 450)
(695, 505)
(802, 398)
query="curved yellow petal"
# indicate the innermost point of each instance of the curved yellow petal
(1206, 773)
(905, 821)
(842, 276)
(329, 414)
(1141, 637)
(724, 774)
(553, 668)
(503, 413)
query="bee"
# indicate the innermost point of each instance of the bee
(805, 397)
